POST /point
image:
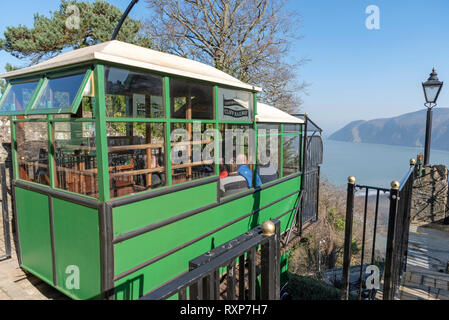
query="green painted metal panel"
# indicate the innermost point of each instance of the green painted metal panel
(137, 250)
(144, 213)
(77, 245)
(101, 137)
(33, 219)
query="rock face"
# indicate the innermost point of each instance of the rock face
(405, 130)
(430, 195)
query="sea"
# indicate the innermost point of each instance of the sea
(371, 164)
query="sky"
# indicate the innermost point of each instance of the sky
(353, 73)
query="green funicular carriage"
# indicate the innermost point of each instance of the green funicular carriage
(106, 186)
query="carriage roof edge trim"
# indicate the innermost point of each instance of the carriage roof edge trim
(269, 114)
(135, 56)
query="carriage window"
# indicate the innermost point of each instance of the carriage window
(192, 151)
(268, 159)
(133, 95)
(191, 100)
(234, 105)
(18, 97)
(75, 157)
(291, 154)
(236, 159)
(292, 127)
(32, 151)
(60, 93)
(136, 157)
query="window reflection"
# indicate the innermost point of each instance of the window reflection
(18, 96)
(60, 93)
(32, 151)
(268, 152)
(236, 159)
(136, 157)
(291, 154)
(133, 95)
(76, 157)
(192, 151)
(191, 100)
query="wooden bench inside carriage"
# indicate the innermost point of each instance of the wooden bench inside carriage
(82, 177)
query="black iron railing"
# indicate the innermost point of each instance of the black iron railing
(5, 213)
(312, 158)
(239, 258)
(400, 196)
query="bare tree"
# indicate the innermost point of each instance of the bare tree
(248, 39)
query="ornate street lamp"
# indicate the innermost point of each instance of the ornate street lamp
(432, 88)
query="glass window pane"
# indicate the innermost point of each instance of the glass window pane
(136, 157)
(76, 158)
(291, 154)
(268, 157)
(18, 97)
(192, 151)
(236, 159)
(60, 93)
(191, 100)
(32, 151)
(268, 128)
(133, 95)
(292, 127)
(235, 105)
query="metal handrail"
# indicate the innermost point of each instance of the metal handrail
(206, 266)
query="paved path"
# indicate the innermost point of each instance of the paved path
(16, 285)
(428, 255)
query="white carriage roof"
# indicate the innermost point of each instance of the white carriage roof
(266, 113)
(131, 55)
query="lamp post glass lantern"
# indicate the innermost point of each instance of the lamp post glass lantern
(432, 88)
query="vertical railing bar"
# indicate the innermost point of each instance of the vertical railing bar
(242, 277)
(252, 274)
(199, 286)
(216, 286)
(375, 227)
(362, 260)
(268, 269)
(208, 288)
(5, 211)
(318, 192)
(230, 280)
(182, 294)
(348, 238)
(389, 257)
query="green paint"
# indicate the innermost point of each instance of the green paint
(139, 214)
(167, 130)
(140, 249)
(34, 230)
(37, 94)
(15, 165)
(281, 155)
(77, 243)
(101, 137)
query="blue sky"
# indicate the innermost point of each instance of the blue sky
(354, 73)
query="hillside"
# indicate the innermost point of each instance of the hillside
(404, 130)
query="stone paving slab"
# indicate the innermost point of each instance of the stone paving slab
(15, 284)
